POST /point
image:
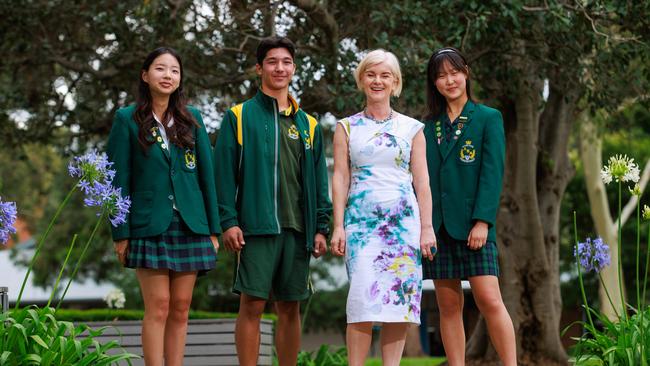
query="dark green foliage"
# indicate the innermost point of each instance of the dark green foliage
(98, 315)
(32, 336)
(323, 357)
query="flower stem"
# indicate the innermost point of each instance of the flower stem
(65, 263)
(638, 287)
(81, 257)
(645, 282)
(582, 286)
(602, 283)
(620, 255)
(638, 254)
(647, 264)
(39, 246)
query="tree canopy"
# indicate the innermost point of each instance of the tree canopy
(68, 66)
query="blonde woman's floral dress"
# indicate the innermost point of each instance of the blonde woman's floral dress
(382, 222)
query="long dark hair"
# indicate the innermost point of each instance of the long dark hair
(181, 132)
(436, 102)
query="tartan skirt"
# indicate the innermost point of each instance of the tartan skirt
(178, 249)
(455, 260)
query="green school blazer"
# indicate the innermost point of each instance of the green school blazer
(157, 179)
(466, 174)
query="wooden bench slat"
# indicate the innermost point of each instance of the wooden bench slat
(209, 341)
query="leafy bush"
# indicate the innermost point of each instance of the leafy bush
(32, 336)
(626, 340)
(324, 357)
(100, 315)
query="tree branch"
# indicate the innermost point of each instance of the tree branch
(323, 19)
(84, 68)
(630, 206)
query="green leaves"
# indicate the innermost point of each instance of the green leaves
(624, 342)
(33, 336)
(323, 357)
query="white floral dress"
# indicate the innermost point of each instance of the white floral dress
(382, 222)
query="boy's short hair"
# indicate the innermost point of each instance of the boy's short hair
(270, 43)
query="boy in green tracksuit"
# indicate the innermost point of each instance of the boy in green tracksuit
(273, 199)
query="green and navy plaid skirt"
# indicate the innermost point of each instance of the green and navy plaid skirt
(178, 249)
(455, 260)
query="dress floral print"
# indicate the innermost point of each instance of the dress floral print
(382, 222)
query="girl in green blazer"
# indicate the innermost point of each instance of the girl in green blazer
(162, 158)
(465, 157)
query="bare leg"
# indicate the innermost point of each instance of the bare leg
(488, 299)
(247, 329)
(180, 288)
(393, 337)
(154, 285)
(450, 303)
(358, 337)
(287, 335)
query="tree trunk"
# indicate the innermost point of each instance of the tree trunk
(536, 175)
(591, 156)
(413, 346)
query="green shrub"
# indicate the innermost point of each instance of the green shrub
(324, 357)
(33, 336)
(100, 315)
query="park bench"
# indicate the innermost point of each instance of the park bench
(209, 342)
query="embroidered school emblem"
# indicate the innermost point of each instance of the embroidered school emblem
(190, 159)
(467, 152)
(293, 132)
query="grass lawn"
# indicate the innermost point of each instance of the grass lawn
(420, 361)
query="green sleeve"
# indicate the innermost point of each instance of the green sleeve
(206, 175)
(491, 177)
(119, 152)
(323, 203)
(226, 161)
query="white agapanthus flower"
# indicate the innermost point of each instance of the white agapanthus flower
(115, 299)
(633, 174)
(646, 212)
(620, 168)
(636, 190)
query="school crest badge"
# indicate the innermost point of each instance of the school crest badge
(190, 159)
(467, 152)
(293, 132)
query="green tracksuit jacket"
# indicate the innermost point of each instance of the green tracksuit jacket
(246, 159)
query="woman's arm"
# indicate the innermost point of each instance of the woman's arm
(423, 194)
(340, 187)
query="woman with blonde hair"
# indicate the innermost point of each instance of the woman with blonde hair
(379, 225)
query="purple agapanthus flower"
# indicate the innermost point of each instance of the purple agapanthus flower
(91, 167)
(105, 196)
(8, 215)
(96, 182)
(593, 255)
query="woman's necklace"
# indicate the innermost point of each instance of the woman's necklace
(390, 116)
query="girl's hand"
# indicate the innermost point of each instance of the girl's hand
(215, 243)
(478, 235)
(337, 243)
(428, 244)
(122, 250)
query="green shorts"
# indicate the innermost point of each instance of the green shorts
(274, 266)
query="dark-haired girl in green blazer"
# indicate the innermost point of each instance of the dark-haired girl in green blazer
(162, 157)
(465, 157)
